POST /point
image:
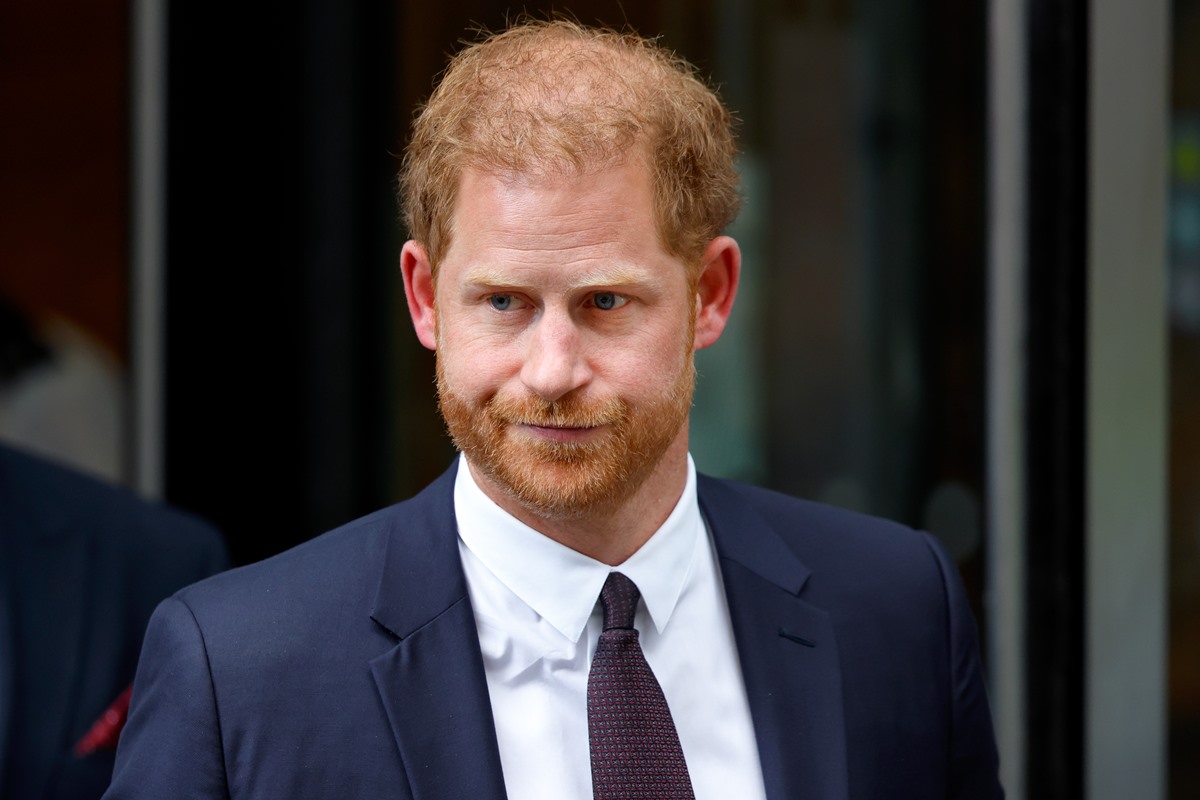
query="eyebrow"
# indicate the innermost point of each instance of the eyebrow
(603, 276)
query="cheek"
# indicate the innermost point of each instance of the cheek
(474, 364)
(646, 363)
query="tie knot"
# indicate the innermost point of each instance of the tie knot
(619, 598)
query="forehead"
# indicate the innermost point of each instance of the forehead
(606, 214)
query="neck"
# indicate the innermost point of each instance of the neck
(613, 534)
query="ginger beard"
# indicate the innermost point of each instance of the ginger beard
(569, 480)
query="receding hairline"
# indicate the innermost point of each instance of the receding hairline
(556, 98)
(614, 275)
(553, 172)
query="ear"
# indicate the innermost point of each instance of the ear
(418, 288)
(716, 288)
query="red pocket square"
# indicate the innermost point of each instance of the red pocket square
(106, 730)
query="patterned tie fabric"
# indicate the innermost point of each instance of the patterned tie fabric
(635, 749)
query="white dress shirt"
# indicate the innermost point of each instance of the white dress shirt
(536, 610)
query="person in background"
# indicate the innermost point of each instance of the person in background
(82, 566)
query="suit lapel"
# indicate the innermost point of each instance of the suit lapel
(432, 682)
(787, 651)
(435, 694)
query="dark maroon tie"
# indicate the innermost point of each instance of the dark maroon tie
(635, 749)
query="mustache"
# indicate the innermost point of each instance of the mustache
(569, 412)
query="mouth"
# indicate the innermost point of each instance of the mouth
(561, 433)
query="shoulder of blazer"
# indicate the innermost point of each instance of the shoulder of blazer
(400, 562)
(835, 543)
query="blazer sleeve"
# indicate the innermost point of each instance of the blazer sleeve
(171, 744)
(974, 764)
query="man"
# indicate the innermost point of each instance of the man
(82, 566)
(566, 190)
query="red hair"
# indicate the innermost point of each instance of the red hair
(558, 98)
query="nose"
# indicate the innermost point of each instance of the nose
(555, 364)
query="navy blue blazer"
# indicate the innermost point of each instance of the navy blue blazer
(82, 566)
(350, 667)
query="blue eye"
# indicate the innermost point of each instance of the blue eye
(605, 301)
(501, 302)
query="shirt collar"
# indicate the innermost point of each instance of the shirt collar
(560, 584)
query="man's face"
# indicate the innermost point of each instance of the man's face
(564, 338)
